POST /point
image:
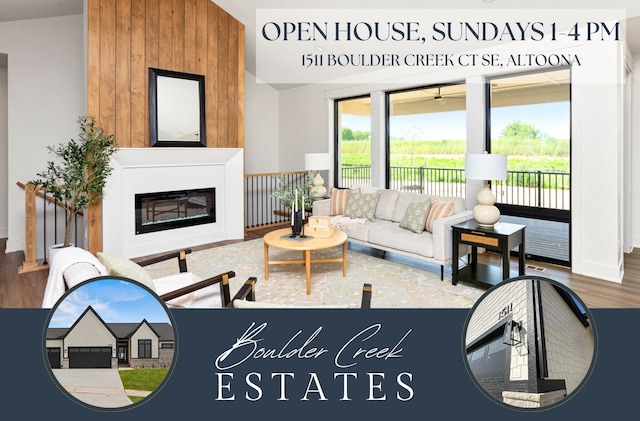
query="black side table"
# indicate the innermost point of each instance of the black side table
(503, 238)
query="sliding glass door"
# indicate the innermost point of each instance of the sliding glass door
(426, 139)
(529, 119)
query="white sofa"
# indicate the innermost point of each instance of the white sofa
(386, 233)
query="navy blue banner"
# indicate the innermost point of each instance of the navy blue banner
(316, 364)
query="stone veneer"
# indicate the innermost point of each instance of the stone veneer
(532, 400)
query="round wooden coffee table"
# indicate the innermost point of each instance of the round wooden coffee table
(280, 239)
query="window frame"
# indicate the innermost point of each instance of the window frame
(144, 348)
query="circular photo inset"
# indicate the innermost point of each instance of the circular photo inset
(109, 343)
(529, 342)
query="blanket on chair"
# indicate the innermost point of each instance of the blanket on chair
(64, 260)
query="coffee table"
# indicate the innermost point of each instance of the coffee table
(279, 238)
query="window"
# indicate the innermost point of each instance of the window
(426, 139)
(167, 345)
(144, 348)
(477, 354)
(353, 141)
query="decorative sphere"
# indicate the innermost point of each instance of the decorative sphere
(486, 196)
(486, 216)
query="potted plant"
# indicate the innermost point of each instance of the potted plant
(296, 201)
(79, 173)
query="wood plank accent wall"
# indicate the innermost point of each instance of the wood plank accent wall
(127, 37)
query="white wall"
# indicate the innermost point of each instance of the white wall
(4, 161)
(635, 151)
(45, 97)
(303, 125)
(261, 134)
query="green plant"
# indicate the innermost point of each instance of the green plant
(287, 196)
(77, 176)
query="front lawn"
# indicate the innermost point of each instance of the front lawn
(143, 378)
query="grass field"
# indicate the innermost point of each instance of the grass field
(551, 155)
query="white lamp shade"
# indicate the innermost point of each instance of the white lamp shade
(484, 166)
(317, 161)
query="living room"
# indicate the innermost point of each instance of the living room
(602, 236)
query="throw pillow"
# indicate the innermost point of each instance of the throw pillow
(362, 205)
(339, 199)
(402, 203)
(386, 204)
(415, 217)
(121, 266)
(438, 210)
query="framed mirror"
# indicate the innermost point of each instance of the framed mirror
(176, 109)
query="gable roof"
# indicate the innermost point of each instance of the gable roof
(163, 330)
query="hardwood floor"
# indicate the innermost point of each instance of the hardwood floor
(27, 290)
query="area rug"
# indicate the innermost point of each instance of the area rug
(394, 285)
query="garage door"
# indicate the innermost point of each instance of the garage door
(89, 357)
(54, 357)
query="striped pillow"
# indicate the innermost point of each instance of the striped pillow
(339, 199)
(438, 210)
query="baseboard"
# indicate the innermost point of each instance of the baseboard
(600, 271)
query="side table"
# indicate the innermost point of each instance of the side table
(503, 238)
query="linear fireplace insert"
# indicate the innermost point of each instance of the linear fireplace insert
(174, 209)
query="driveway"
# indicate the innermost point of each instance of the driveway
(99, 387)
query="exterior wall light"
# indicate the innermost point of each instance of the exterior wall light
(512, 333)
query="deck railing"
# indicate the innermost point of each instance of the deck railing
(545, 189)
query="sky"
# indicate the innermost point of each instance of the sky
(115, 300)
(552, 118)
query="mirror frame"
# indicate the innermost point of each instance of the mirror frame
(153, 109)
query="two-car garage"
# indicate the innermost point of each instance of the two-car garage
(89, 357)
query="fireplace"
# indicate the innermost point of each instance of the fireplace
(138, 171)
(174, 209)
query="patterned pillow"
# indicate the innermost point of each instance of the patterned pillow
(438, 210)
(415, 217)
(362, 205)
(121, 266)
(339, 199)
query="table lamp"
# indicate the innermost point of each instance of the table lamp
(317, 162)
(486, 167)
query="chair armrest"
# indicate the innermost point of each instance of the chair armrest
(321, 207)
(246, 292)
(180, 255)
(442, 238)
(222, 278)
(366, 296)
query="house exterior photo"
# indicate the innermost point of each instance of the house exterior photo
(92, 343)
(529, 343)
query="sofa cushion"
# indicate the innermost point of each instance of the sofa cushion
(439, 209)
(339, 199)
(362, 205)
(404, 199)
(390, 235)
(415, 217)
(386, 204)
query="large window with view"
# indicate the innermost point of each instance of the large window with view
(426, 139)
(353, 141)
(530, 122)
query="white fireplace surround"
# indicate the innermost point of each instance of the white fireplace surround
(146, 170)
